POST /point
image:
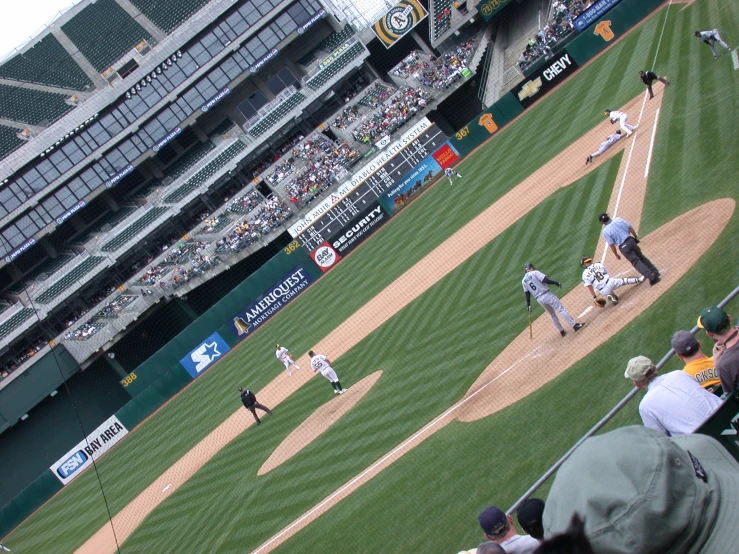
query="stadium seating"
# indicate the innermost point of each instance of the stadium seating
(103, 32)
(275, 115)
(134, 229)
(222, 128)
(308, 59)
(206, 173)
(375, 95)
(7, 326)
(31, 106)
(8, 140)
(168, 15)
(180, 166)
(441, 16)
(335, 39)
(223, 222)
(112, 219)
(336, 66)
(46, 63)
(49, 267)
(70, 279)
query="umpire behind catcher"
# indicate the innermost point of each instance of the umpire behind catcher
(619, 233)
(250, 403)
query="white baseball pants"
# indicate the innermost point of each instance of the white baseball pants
(625, 127)
(613, 284)
(330, 374)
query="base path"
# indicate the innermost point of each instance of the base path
(564, 169)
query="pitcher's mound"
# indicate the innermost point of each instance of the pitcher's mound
(319, 422)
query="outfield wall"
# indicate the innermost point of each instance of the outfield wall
(163, 375)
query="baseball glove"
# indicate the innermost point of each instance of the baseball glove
(600, 302)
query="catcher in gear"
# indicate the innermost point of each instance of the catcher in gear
(595, 277)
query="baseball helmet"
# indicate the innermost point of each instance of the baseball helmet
(606, 112)
(528, 266)
(586, 260)
(277, 346)
(240, 389)
(604, 218)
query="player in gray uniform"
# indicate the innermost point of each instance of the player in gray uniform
(710, 38)
(535, 282)
(605, 145)
(449, 172)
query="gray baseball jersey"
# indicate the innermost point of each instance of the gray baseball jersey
(533, 282)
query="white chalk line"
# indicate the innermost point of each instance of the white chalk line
(735, 59)
(651, 144)
(167, 487)
(392, 453)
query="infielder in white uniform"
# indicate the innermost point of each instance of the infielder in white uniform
(621, 117)
(710, 38)
(449, 172)
(284, 356)
(319, 362)
(605, 145)
(535, 282)
(596, 276)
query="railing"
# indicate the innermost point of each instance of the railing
(265, 110)
(617, 408)
(335, 55)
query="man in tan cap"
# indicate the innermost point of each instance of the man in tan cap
(675, 403)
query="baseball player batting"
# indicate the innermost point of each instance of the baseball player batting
(622, 118)
(596, 276)
(711, 37)
(319, 362)
(449, 172)
(535, 282)
(284, 356)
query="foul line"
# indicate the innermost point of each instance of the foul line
(651, 144)
(735, 60)
(390, 454)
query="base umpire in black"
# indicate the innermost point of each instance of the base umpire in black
(250, 403)
(648, 78)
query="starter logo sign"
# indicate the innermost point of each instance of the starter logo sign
(325, 256)
(201, 358)
(96, 444)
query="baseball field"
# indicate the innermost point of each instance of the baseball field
(451, 406)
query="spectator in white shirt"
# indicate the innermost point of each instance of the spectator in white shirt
(675, 403)
(498, 527)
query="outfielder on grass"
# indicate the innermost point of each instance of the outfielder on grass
(595, 276)
(535, 282)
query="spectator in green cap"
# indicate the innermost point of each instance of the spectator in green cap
(717, 324)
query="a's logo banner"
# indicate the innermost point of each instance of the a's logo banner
(488, 8)
(398, 21)
(204, 355)
(325, 256)
(96, 444)
(593, 13)
(272, 301)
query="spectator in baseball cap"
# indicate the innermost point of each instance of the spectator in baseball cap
(699, 366)
(675, 403)
(639, 491)
(717, 324)
(486, 548)
(529, 517)
(498, 527)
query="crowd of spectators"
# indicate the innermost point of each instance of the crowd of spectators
(182, 250)
(347, 116)
(275, 154)
(86, 330)
(387, 119)
(246, 203)
(323, 161)
(198, 265)
(281, 171)
(153, 275)
(271, 215)
(439, 73)
(564, 12)
(664, 462)
(13, 364)
(97, 322)
(376, 96)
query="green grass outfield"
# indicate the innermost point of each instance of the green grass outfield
(433, 350)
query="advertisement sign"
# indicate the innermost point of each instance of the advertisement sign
(593, 13)
(18, 251)
(398, 21)
(446, 156)
(113, 181)
(215, 100)
(325, 257)
(70, 212)
(203, 356)
(544, 79)
(358, 229)
(167, 139)
(488, 8)
(263, 61)
(396, 197)
(96, 444)
(272, 301)
(312, 21)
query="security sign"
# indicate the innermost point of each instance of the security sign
(398, 21)
(325, 256)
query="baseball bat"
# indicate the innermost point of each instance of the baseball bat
(531, 330)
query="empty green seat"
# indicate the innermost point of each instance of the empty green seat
(276, 115)
(130, 232)
(35, 107)
(8, 140)
(336, 66)
(69, 279)
(12, 323)
(168, 15)
(180, 166)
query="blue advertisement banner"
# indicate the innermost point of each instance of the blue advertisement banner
(272, 301)
(410, 185)
(204, 355)
(593, 13)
